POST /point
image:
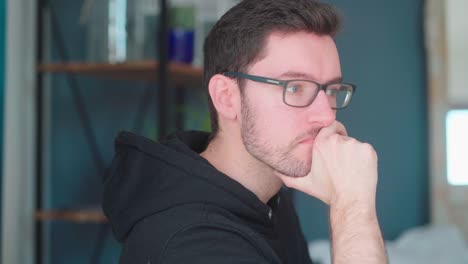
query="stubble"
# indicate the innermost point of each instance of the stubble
(279, 158)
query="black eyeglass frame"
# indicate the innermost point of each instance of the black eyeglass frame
(284, 85)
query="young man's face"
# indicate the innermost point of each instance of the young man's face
(279, 135)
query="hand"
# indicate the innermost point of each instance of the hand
(343, 170)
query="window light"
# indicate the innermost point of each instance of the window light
(457, 147)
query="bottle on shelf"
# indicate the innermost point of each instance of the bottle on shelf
(207, 13)
(121, 30)
(182, 31)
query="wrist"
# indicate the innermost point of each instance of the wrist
(365, 209)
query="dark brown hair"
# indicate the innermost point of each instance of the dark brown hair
(238, 38)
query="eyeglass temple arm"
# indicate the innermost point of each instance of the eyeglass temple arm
(255, 78)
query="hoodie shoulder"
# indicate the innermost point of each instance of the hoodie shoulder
(196, 233)
(209, 243)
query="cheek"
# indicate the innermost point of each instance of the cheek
(275, 122)
(278, 124)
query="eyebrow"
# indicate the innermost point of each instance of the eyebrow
(304, 76)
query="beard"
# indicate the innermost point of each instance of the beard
(279, 158)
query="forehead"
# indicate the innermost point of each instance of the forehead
(300, 52)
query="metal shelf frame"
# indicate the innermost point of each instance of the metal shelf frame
(162, 112)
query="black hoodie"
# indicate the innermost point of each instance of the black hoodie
(167, 204)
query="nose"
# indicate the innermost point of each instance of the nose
(320, 110)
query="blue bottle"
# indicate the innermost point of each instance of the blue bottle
(182, 34)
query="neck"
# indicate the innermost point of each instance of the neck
(231, 158)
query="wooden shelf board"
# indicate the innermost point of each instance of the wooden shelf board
(77, 216)
(138, 70)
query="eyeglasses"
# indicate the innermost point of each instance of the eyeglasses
(301, 93)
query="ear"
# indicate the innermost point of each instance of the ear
(224, 94)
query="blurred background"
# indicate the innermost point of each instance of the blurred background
(73, 73)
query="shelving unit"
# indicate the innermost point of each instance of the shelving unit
(179, 74)
(163, 76)
(73, 216)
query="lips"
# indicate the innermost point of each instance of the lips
(309, 138)
(307, 141)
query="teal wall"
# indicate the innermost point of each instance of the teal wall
(382, 51)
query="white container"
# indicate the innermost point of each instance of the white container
(142, 28)
(107, 35)
(122, 30)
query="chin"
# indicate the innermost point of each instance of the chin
(302, 167)
(306, 163)
(298, 174)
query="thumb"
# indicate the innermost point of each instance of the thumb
(335, 128)
(287, 180)
(309, 185)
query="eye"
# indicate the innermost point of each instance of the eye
(293, 88)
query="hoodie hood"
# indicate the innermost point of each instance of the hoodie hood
(148, 177)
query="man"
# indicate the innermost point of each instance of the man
(274, 81)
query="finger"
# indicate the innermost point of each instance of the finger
(308, 185)
(340, 128)
(335, 128)
(297, 182)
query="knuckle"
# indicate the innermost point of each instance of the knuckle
(349, 141)
(335, 138)
(369, 149)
